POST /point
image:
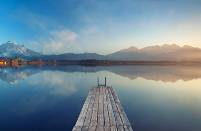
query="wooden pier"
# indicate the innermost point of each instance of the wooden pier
(102, 111)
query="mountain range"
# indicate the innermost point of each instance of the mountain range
(159, 53)
(151, 53)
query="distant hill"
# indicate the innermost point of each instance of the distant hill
(158, 53)
(72, 56)
(151, 53)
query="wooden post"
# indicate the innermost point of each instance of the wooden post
(105, 81)
(98, 81)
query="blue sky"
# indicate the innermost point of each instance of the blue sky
(101, 26)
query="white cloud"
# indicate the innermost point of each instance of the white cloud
(58, 83)
(65, 40)
(56, 42)
(54, 37)
(64, 35)
(59, 41)
(48, 85)
(90, 30)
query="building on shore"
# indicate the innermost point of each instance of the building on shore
(11, 62)
(4, 61)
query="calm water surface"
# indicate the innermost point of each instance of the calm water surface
(155, 98)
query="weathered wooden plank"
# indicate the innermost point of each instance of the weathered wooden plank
(100, 108)
(124, 118)
(83, 112)
(102, 111)
(89, 111)
(113, 128)
(106, 112)
(77, 128)
(115, 110)
(111, 112)
(94, 118)
(99, 128)
(92, 128)
(128, 128)
(106, 128)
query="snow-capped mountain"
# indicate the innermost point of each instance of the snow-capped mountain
(10, 49)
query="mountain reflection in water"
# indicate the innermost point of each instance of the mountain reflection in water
(156, 73)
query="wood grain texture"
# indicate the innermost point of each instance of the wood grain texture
(102, 111)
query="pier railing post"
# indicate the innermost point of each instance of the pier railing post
(105, 81)
(98, 81)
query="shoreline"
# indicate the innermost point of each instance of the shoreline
(39, 62)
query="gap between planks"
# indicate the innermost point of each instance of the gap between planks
(102, 111)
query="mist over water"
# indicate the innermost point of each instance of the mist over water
(155, 98)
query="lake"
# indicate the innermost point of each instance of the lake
(155, 98)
